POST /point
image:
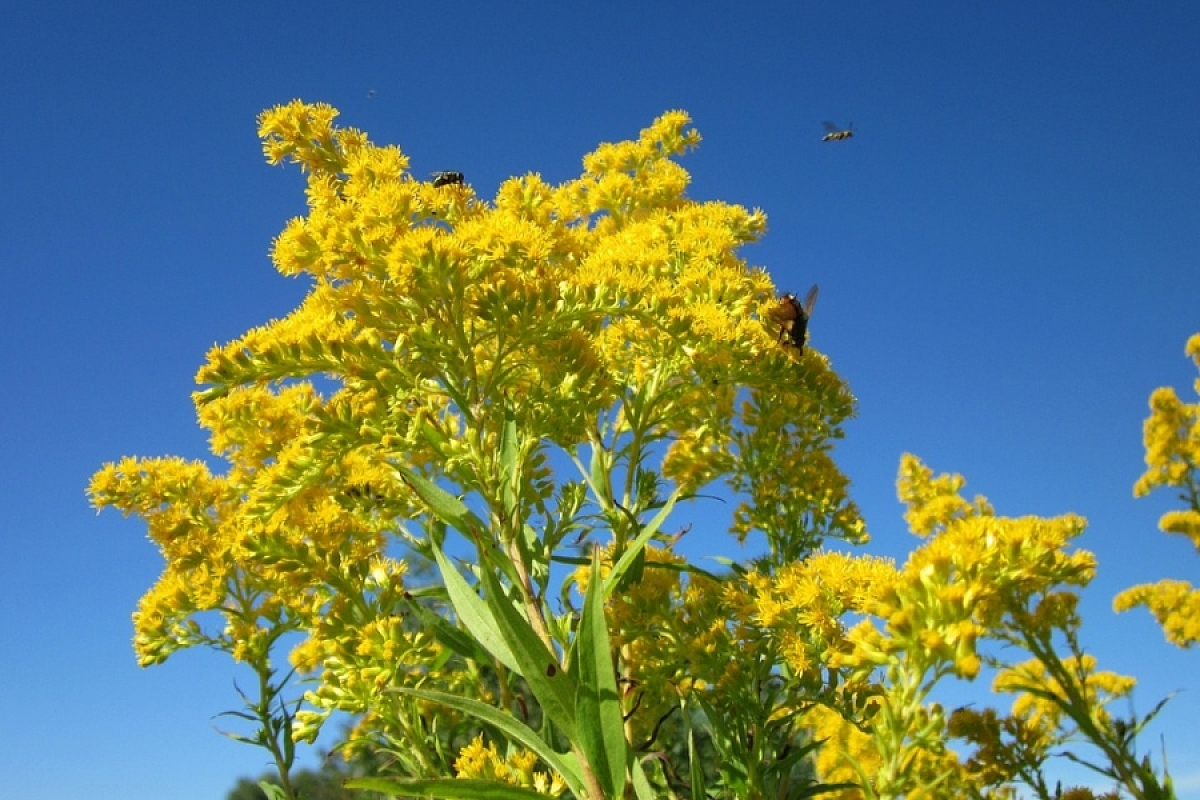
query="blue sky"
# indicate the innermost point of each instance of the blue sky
(1008, 252)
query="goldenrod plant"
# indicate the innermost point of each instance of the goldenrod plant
(1172, 439)
(537, 394)
(984, 591)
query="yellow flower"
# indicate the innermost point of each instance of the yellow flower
(483, 761)
(1175, 604)
(847, 754)
(1172, 441)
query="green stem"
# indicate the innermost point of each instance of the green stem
(267, 694)
(1137, 778)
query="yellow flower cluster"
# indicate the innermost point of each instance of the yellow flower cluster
(1175, 604)
(851, 755)
(803, 605)
(975, 572)
(1051, 695)
(976, 577)
(557, 302)
(1172, 441)
(1042, 695)
(847, 755)
(1005, 747)
(479, 760)
(192, 517)
(360, 663)
(1172, 437)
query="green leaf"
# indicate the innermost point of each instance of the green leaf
(821, 788)
(641, 785)
(736, 566)
(564, 764)
(598, 475)
(1154, 712)
(272, 791)
(691, 569)
(598, 706)
(289, 744)
(553, 686)
(445, 506)
(695, 768)
(449, 788)
(434, 437)
(454, 638)
(578, 561)
(473, 612)
(509, 472)
(635, 551)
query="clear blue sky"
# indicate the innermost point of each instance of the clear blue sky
(1008, 252)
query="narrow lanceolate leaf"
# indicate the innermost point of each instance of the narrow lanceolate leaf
(636, 548)
(641, 784)
(448, 788)
(601, 725)
(272, 791)
(455, 639)
(473, 612)
(553, 686)
(508, 463)
(695, 768)
(565, 764)
(818, 789)
(445, 506)
(598, 476)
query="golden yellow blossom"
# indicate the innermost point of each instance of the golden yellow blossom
(479, 760)
(1172, 441)
(1175, 604)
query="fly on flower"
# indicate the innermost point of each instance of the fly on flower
(835, 134)
(792, 316)
(447, 178)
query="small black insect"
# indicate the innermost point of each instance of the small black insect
(447, 178)
(365, 491)
(793, 316)
(835, 134)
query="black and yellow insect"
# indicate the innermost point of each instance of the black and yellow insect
(447, 178)
(835, 134)
(792, 316)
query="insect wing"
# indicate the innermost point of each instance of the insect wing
(810, 300)
(830, 127)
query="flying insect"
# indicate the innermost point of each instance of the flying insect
(835, 134)
(447, 179)
(792, 316)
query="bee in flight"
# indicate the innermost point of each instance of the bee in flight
(793, 316)
(447, 179)
(835, 134)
